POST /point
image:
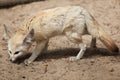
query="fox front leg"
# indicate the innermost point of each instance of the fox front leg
(39, 48)
(46, 46)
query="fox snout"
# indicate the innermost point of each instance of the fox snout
(13, 60)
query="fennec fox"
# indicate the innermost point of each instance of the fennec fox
(71, 21)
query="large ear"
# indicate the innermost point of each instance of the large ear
(29, 37)
(6, 34)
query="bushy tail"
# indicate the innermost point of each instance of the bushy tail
(108, 41)
(96, 30)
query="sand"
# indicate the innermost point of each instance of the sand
(54, 64)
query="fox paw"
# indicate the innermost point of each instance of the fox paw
(73, 59)
(27, 62)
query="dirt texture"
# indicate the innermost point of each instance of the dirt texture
(54, 64)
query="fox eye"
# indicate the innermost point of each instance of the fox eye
(16, 52)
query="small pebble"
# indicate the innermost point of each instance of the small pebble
(0, 56)
(92, 61)
(23, 77)
(112, 70)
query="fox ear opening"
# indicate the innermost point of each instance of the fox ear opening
(6, 34)
(29, 37)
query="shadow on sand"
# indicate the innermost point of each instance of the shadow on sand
(67, 52)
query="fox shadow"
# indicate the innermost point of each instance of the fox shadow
(68, 52)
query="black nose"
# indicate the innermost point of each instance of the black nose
(12, 61)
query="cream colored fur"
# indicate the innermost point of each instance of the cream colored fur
(71, 21)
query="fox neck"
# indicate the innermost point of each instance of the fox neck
(38, 35)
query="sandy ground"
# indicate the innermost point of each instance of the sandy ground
(54, 64)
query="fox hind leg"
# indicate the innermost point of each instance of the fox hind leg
(93, 43)
(80, 53)
(76, 38)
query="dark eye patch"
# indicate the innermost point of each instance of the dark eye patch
(16, 52)
(10, 52)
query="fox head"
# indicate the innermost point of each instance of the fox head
(19, 43)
